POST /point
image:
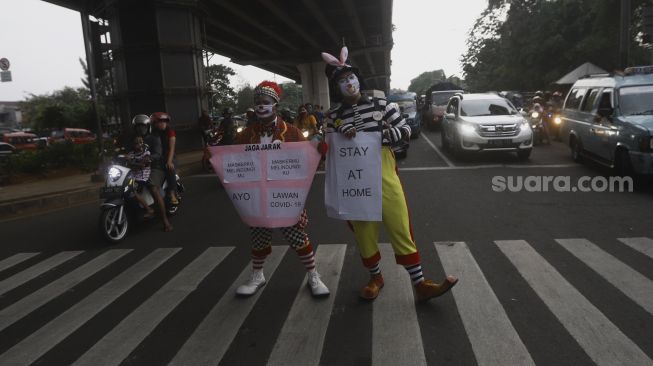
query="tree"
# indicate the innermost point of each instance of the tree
(67, 107)
(528, 44)
(425, 80)
(221, 94)
(244, 98)
(292, 96)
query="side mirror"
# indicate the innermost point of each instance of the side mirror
(605, 111)
(523, 113)
(405, 115)
(450, 116)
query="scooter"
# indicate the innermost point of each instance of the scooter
(119, 208)
(214, 137)
(539, 129)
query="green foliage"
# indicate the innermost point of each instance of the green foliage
(529, 44)
(291, 97)
(68, 107)
(217, 83)
(244, 98)
(425, 80)
(56, 156)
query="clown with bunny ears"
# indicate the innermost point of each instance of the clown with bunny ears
(353, 113)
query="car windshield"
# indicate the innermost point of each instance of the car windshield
(636, 100)
(407, 105)
(441, 98)
(486, 107)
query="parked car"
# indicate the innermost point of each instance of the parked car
(21, 140)
(609, 119)
(408, 108)
(433, 111)
(76, 136)
(476, 123)
(6, 149)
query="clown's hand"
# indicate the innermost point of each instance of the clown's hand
(391, 134)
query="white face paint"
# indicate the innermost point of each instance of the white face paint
(264, 110)
(349, 85)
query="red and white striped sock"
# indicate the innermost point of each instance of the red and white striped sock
(257, 262)
(307, 256)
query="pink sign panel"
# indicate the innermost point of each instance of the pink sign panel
(267, 183)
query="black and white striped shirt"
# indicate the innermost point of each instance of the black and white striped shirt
(343, 117)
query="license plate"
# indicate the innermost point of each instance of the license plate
(109, 192)
(500, 143)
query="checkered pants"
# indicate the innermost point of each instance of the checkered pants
(295, 236)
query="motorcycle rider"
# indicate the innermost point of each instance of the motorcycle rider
(538, 107)
(142, 126)
(306, 122)
(168, 138)
(227, 127)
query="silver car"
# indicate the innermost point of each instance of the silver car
(475, 123)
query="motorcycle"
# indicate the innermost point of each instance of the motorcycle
(214, 137)
(540, 132)
(119, 208)
(554, 122)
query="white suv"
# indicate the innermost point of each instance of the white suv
(485, 122)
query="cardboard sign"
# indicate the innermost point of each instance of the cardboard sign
(267, 183)
(353, 177)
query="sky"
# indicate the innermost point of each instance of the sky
(43, 42)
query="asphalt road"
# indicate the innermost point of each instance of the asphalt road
(544, 278)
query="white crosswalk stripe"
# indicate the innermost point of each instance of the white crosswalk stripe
(304, 335)
(35, 271)
(482, 314)
(30, 303)
(630, 282)
(603, 342)
(395, 318)
(212, 338)
(15, 259)
(122, 339)
(642, 245)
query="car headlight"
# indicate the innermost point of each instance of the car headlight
(467, 129)
(535, 115)
(305, 133)
(239, 129)
(114, 173)
(557, 120)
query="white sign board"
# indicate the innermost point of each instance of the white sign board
(267, 183)
(353, 177)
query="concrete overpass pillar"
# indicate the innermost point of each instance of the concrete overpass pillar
(315, 86)
(157, 51)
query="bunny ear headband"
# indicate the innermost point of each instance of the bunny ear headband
(338, 63)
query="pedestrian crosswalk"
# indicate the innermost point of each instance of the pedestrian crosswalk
(396, 328)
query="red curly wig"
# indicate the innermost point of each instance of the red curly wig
(269, 88)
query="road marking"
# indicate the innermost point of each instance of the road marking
(14, 260)
(396, 337)
(446, 160)
(35, 270)
(484, 318)
(302, 336)
(632, 283)
(35, 300)
(603, 342)
(210, 341)
(642, 245)
(39, 342)
(115, 346)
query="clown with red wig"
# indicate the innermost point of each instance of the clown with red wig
(270, 128)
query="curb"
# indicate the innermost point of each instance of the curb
(16, 209)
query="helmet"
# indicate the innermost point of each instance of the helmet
(539, 93)
(557, 94)
(160, 116)
(142, 124)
